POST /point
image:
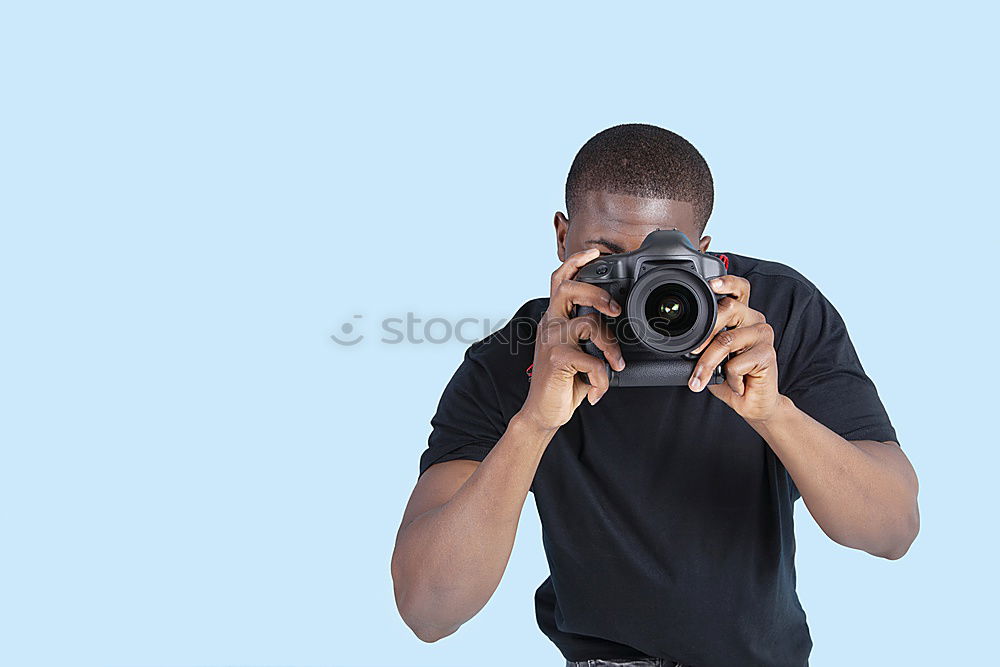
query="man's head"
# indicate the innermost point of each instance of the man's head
(628, 181)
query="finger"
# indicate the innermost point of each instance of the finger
(741, 368)
(729, 341)
(723, 392)
(574, 360)
(589, 327)
(732, 314)
(568, 269)
(734, 286)
(571, 293)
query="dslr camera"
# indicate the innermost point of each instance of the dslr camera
(668, 308)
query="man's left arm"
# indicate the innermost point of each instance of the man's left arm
(862, 493)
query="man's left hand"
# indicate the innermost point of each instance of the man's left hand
(751, 386)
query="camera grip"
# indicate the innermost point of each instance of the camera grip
(584, 310)
(662, 372)
(659, 373)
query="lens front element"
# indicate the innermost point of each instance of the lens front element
(671, 310)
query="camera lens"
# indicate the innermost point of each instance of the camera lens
(671, 310)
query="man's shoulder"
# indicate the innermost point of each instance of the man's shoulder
(746, 266)
(787, 298)
(514, 341)
(770, 279)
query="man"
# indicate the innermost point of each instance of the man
(666, 511)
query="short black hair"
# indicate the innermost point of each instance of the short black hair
(642, 161)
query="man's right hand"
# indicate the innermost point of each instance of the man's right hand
(557, 389)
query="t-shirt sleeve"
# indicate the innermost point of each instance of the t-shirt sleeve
(824, 377)
(468, 420)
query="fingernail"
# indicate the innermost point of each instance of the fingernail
(695, 383)
(615, 308)
(716, 283)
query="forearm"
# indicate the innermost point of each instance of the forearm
(449, 560)
(862, 494)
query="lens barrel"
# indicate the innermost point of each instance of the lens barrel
(671, 309)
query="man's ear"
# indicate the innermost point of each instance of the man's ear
(703, 243)
(562, 228)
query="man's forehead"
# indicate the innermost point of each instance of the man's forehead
(629, 210)
(634, 216)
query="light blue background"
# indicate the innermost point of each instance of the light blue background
(195, 196)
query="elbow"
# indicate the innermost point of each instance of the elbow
(894, 553)
(413, 615)
(412, 607)
(429, 634)
(425, 631)
(909, 527)
(426, 635)
(907, 524)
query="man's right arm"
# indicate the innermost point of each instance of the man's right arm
(459, 525)
(458, 531)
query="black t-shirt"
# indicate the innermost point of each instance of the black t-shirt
(667, 520)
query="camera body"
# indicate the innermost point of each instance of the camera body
(668, 308)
